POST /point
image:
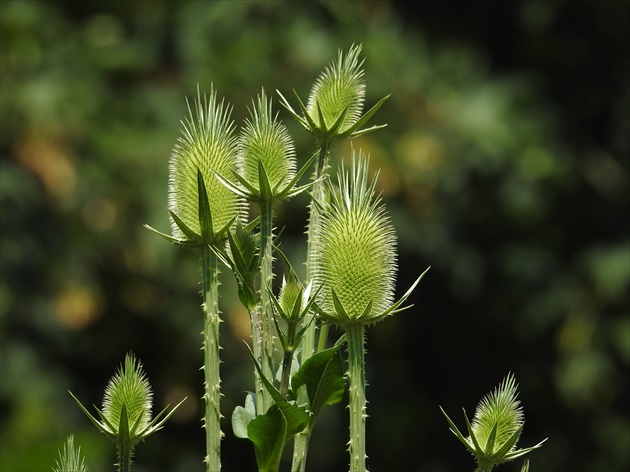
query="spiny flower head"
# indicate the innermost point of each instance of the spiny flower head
(496, 427)
(500, 408)
(266, 158)
(338, 92)
(335, 104)
(129, 389)
(265, 141)
(207, 146)
(356, 250)
(127, 404)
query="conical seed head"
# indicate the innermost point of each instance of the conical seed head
(500, 407)
(207, 144)
(339, 87)
(290, 294)
(130, 388)
(267, 140)
(356, 250)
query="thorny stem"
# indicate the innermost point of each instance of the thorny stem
(357, 402)
(211, 347)
(254, 317)
(125, 453)
(267, 325)
(301, 441)
(308, 342)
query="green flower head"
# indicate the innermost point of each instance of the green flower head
(339, 92)
(335, 104)
(356, 249)
(129, 389)
(495, 428)
(266, 156)
(207, 146)
(127, 404)
(265, 140)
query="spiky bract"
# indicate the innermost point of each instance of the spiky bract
(266, 140)
(339, 89)
(207, 145)
(356, 249)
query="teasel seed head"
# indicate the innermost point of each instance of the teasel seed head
(495, 428)
(265, 140)
(356, 249)
(129, 389)
(334, 108)
(207, 146)
(338, 92)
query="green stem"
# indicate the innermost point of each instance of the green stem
(267, 325)
(301, 441)
(287, 359)
(483, 467)
(212, 379)
(308, 342)
(257, 351)
(357, 407)
(300, 448)
(125, 453)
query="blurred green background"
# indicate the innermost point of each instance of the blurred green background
(504, 167)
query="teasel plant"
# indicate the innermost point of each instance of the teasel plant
(495, 428)
(202, 210)
(333, 112)
(70, 460)
(266, 177)
(356, 265)
(126, 414)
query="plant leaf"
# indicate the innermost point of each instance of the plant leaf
(322, 377)
(242, 416)
(268, 432)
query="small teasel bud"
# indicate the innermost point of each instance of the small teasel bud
(335, 103)
(70, 460)
(206, 147)
(356, 249)
(291, 294)
(126, 414)
(128, 389)
(339, 92)
(266, 142)
(495, 428)
(500, 408)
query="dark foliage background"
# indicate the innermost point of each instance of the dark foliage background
(504, 166)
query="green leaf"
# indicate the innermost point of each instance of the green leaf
(296, 416)
(268, 432)
(242, 416)
(322, 377)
